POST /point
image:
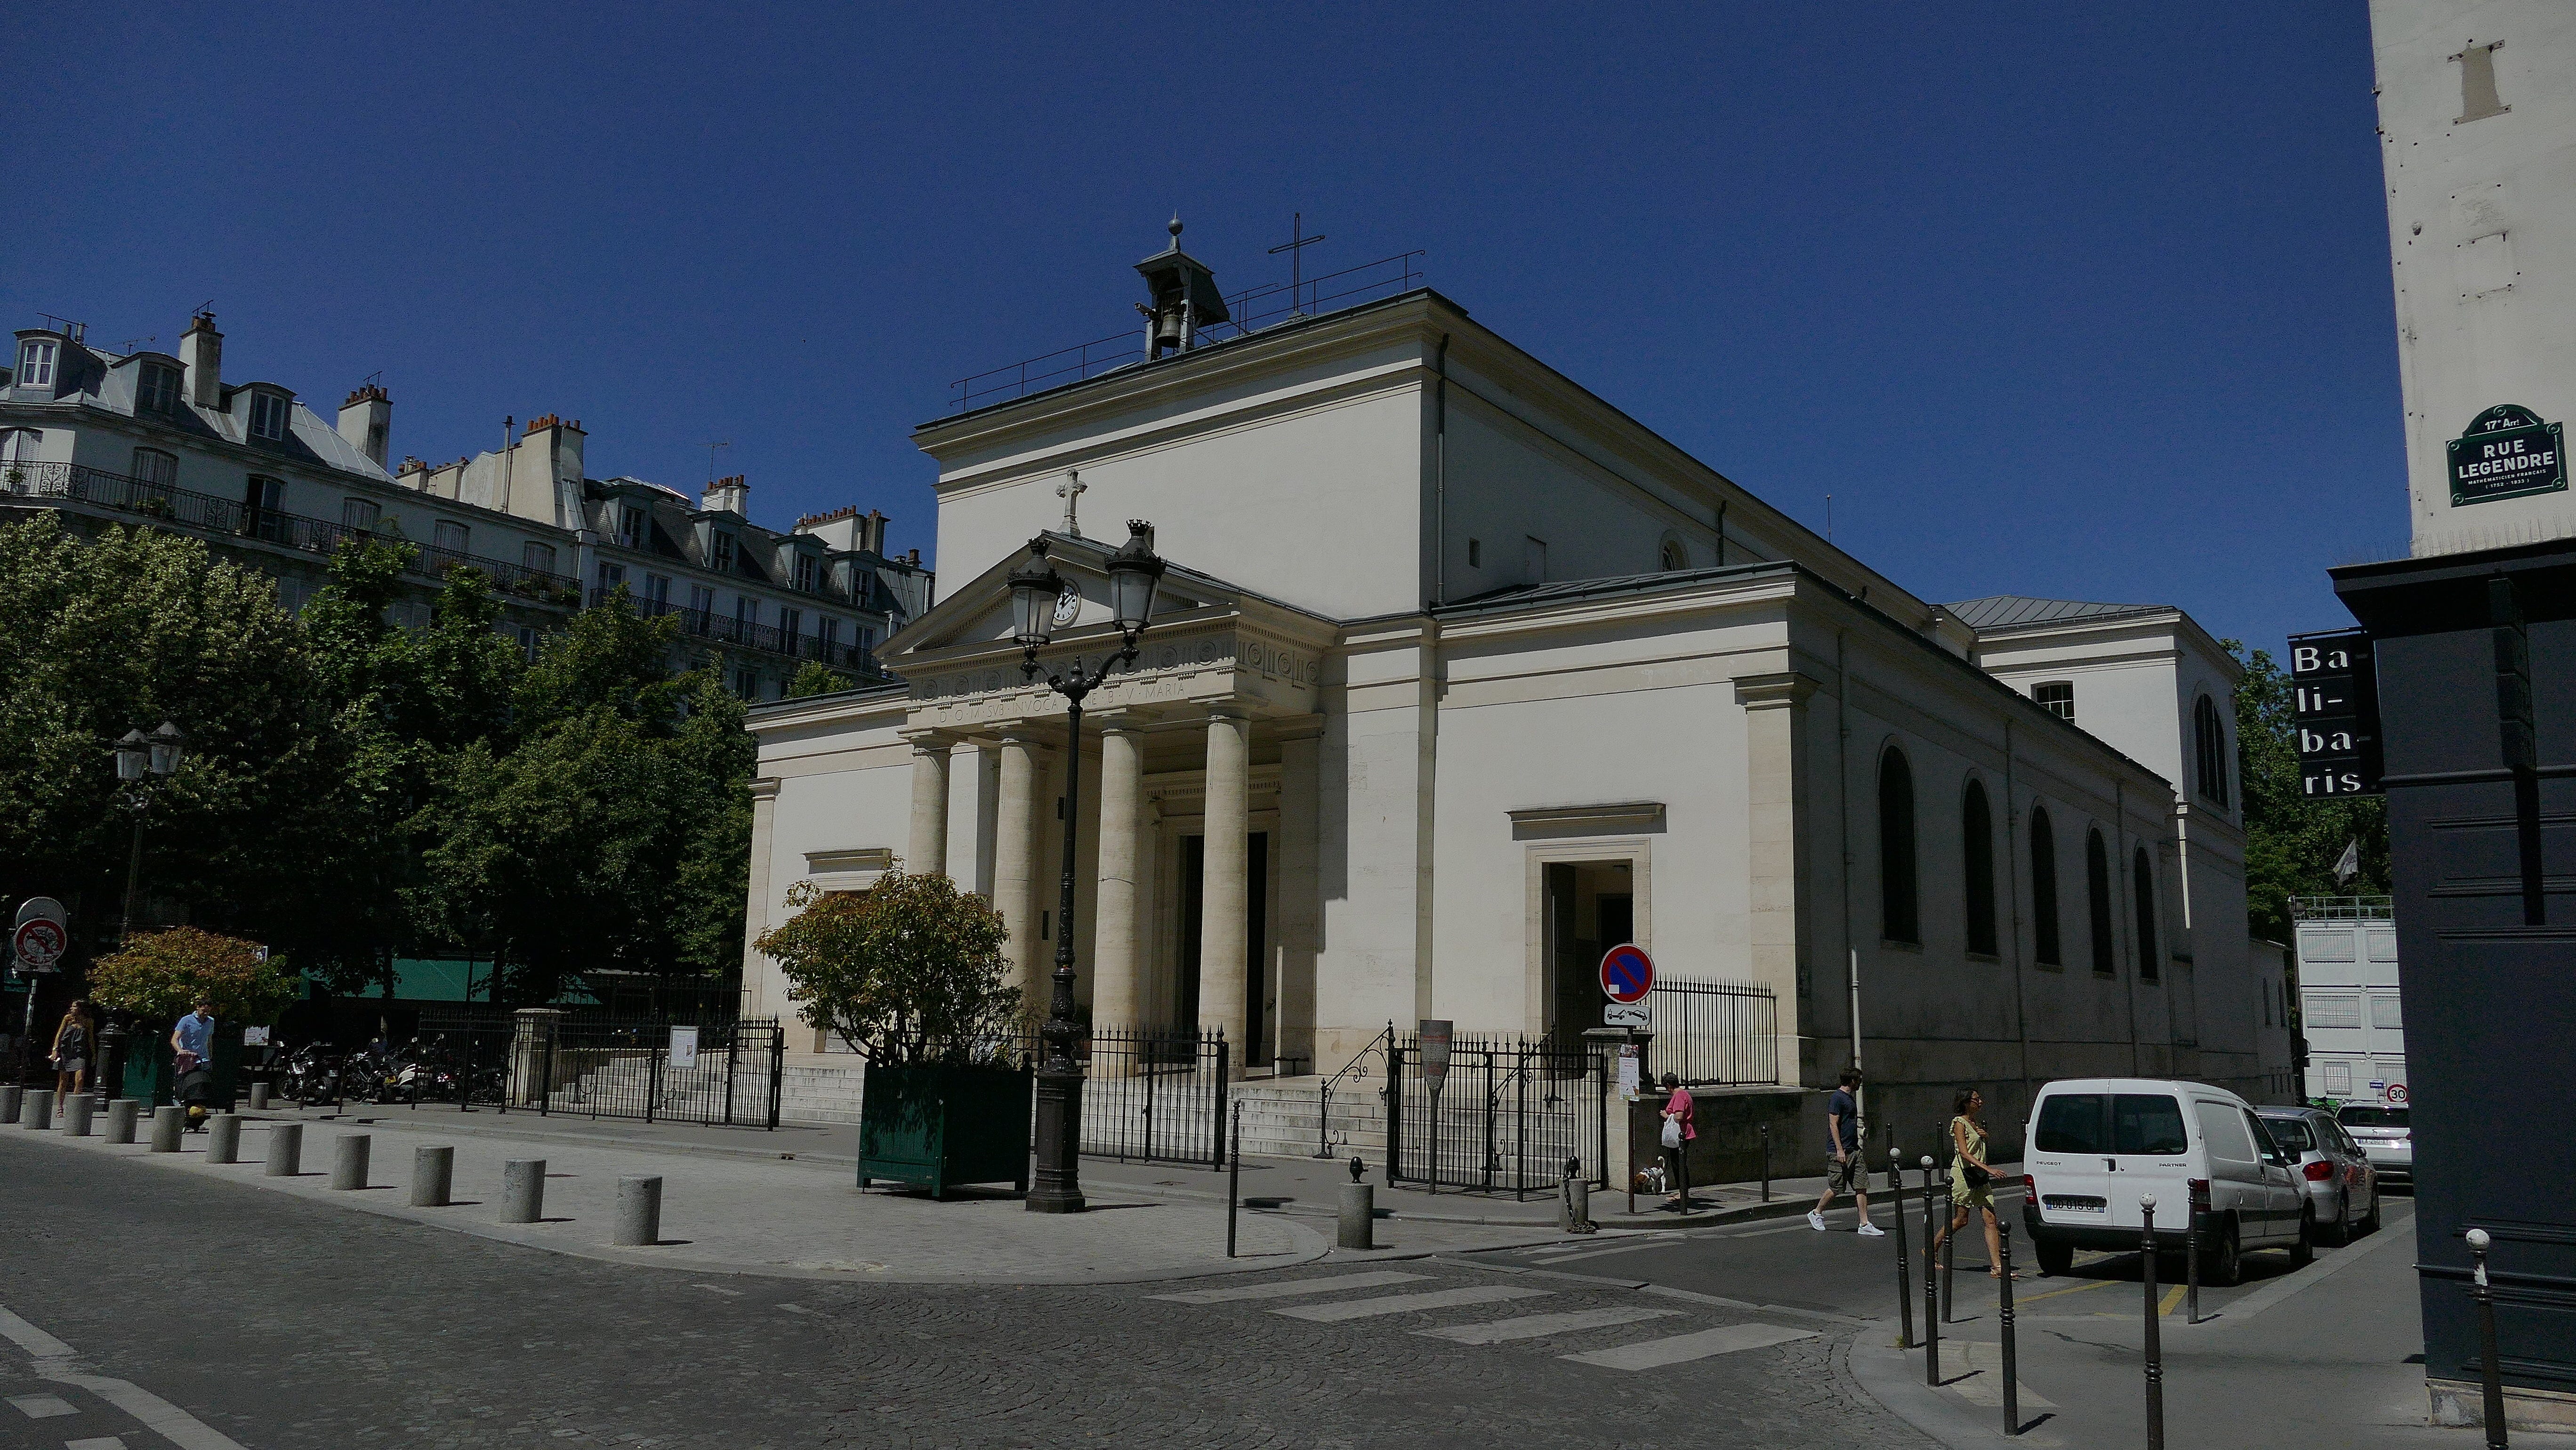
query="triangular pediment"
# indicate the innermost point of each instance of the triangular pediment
(978, 616)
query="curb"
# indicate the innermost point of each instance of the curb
(1889, 1376)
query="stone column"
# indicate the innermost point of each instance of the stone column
(926, 849)
(1775, 718)
(1118, 918)
(974, 783)
(1222, 920)
(1015, 863)
(764, 994)
(1300, 894)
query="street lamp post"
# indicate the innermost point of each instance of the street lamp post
(1037, 593)
(141, 759)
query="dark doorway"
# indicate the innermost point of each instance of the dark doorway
(1591, 906)
(1256, 932)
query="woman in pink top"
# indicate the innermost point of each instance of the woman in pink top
(1679, 1108)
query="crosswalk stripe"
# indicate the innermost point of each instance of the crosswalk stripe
(1407, 1303)
(42, 1407)
(1682, 1348)
(1287, 1289)
(1532, 1326)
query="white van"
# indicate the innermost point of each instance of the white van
(2097, 1145)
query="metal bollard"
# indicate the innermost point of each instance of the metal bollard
(13, 1101)
(1233, 1176)
(433, 1172)
(2191, 1261)
(76, 1115)
(1950, 1252)
(259, 1097)
(1931, 1280)
(39, 1110)
(639, 1212)
(349, 1161)
(1766, 1163)
(223, 1138)
(2004, 1304)
(1904, 1282)
(2490, 1373)
(1575, 1191)
(523, 1190)
(120, 1119)
(285, 1149)
(168, 1122)
(2155, 1341)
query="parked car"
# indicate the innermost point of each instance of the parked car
(2098, 1145)
(2343, 1189)
(2385, 1135)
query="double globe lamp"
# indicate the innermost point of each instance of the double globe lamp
(1039, 604)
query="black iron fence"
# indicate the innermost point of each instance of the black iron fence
(618, 1067)
(706, 624)
(1716, 1033)
(1507, 1115)
(1155, 1095)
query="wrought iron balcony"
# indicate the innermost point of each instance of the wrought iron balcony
(724, 629)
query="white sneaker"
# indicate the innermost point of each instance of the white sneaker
(1870, 1230)
(1816, 1219)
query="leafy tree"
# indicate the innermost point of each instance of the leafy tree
(2292, 842)
(817, 678)
(161, 974)
(910, 970)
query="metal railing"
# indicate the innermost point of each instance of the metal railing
(1716, 1033)
(717, 628)
(622, 1067)
(172, 504)
(1508, 1114)
(2342, 908)
(1248, 311)
(1356, 1067)
(1155, 1095)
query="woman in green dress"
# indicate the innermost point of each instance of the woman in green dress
(1972, 1190)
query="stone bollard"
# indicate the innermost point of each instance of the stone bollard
(76, 1115)
(39, 1112)
(433, 1171)
(13, 1101)
(259, 1097)
(285, 1149)
(523, 1190)
(639, 1212)
(167, 1124)
(223, 1138)
(1359, 1216)
(349, 1161)
(120, 1119)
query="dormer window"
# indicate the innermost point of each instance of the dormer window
(2056, 696)
(36, 358)
(630, 526)
(268, 416)
(809, 572)
(156, 389)
(721, 552)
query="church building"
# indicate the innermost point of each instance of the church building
(1459, 675)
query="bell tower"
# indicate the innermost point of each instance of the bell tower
(1185, 298)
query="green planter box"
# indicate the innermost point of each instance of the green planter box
(149, 1078)
(938, 1126)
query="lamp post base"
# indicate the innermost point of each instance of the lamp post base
(1057, 1186)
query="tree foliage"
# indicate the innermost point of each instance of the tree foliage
(2292, 842)
(162, 974)
(909, 970)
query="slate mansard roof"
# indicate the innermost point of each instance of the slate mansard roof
(1998, 612)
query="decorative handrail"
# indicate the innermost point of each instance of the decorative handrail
(1324, 1095)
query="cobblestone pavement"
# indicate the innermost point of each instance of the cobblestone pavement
(279, 1323)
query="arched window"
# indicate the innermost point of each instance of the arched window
(1675, 556)
(2097, 891)
(1899, 921)
(2143, 885)
(2043, 888)
(2209, 751)
(1977, 838)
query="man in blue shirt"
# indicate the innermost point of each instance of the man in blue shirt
(194, 1036)
(1845, 1172)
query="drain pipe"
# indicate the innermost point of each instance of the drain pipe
(1440, 471)
(1842, 811)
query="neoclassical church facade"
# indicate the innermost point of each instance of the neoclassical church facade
(1459, 675)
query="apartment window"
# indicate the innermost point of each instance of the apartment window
(828, 631)
(720, 558)
(156, 389)
(263, 495)
(2328, 1012)
(809, 572)
(2387, 1011)
(2097, 893)
(540, 557)
(449, 536)
(2150, 953)
(657, 587)
(702, 600)
(36, 363)
(2043, 890)
(156, 470)
(359, 514)
(746, 684)
(2209, 751)
(630, 526)
(268, 416)
(791, 623)
(610, 576)
(1977, 840)
(746, 615)
(20, 445)
(528, 640)
(867, 640)
(2057, 697)
(1898, 918)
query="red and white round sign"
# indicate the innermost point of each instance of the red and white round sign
(1627, 973)
(2397, 1092)
(40, 942)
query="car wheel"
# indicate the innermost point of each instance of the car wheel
(2339, 1233)
(2055, 1259)
(2225, 1268)
(2304, 1252)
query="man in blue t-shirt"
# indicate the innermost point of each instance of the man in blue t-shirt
(191, 1039)
(1842, 1139)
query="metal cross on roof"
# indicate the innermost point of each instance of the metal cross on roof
(1295, 247)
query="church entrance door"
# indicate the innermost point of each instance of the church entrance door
(1590, 908)
(1254, 1051)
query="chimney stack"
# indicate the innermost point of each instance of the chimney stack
(729, 494)
(366, 419)
(872, 533)
(201, 352)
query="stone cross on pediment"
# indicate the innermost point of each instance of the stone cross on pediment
(1071, 491)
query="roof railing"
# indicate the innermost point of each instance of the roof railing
(2342, 908)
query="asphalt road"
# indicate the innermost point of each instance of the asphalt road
(141, 1309)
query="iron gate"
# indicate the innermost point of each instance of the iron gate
(1508, 1115)
(614, 1067)
(1159, 1096)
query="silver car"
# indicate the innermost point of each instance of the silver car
(2384, 1134)
(2342, 1186)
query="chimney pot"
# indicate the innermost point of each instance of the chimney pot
(201, 355)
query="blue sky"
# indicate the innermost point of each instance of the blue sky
(2074, 301)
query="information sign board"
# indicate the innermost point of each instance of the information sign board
(2334, 690)
(2507, 452)
(1627, 1014)
(684, 1047)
